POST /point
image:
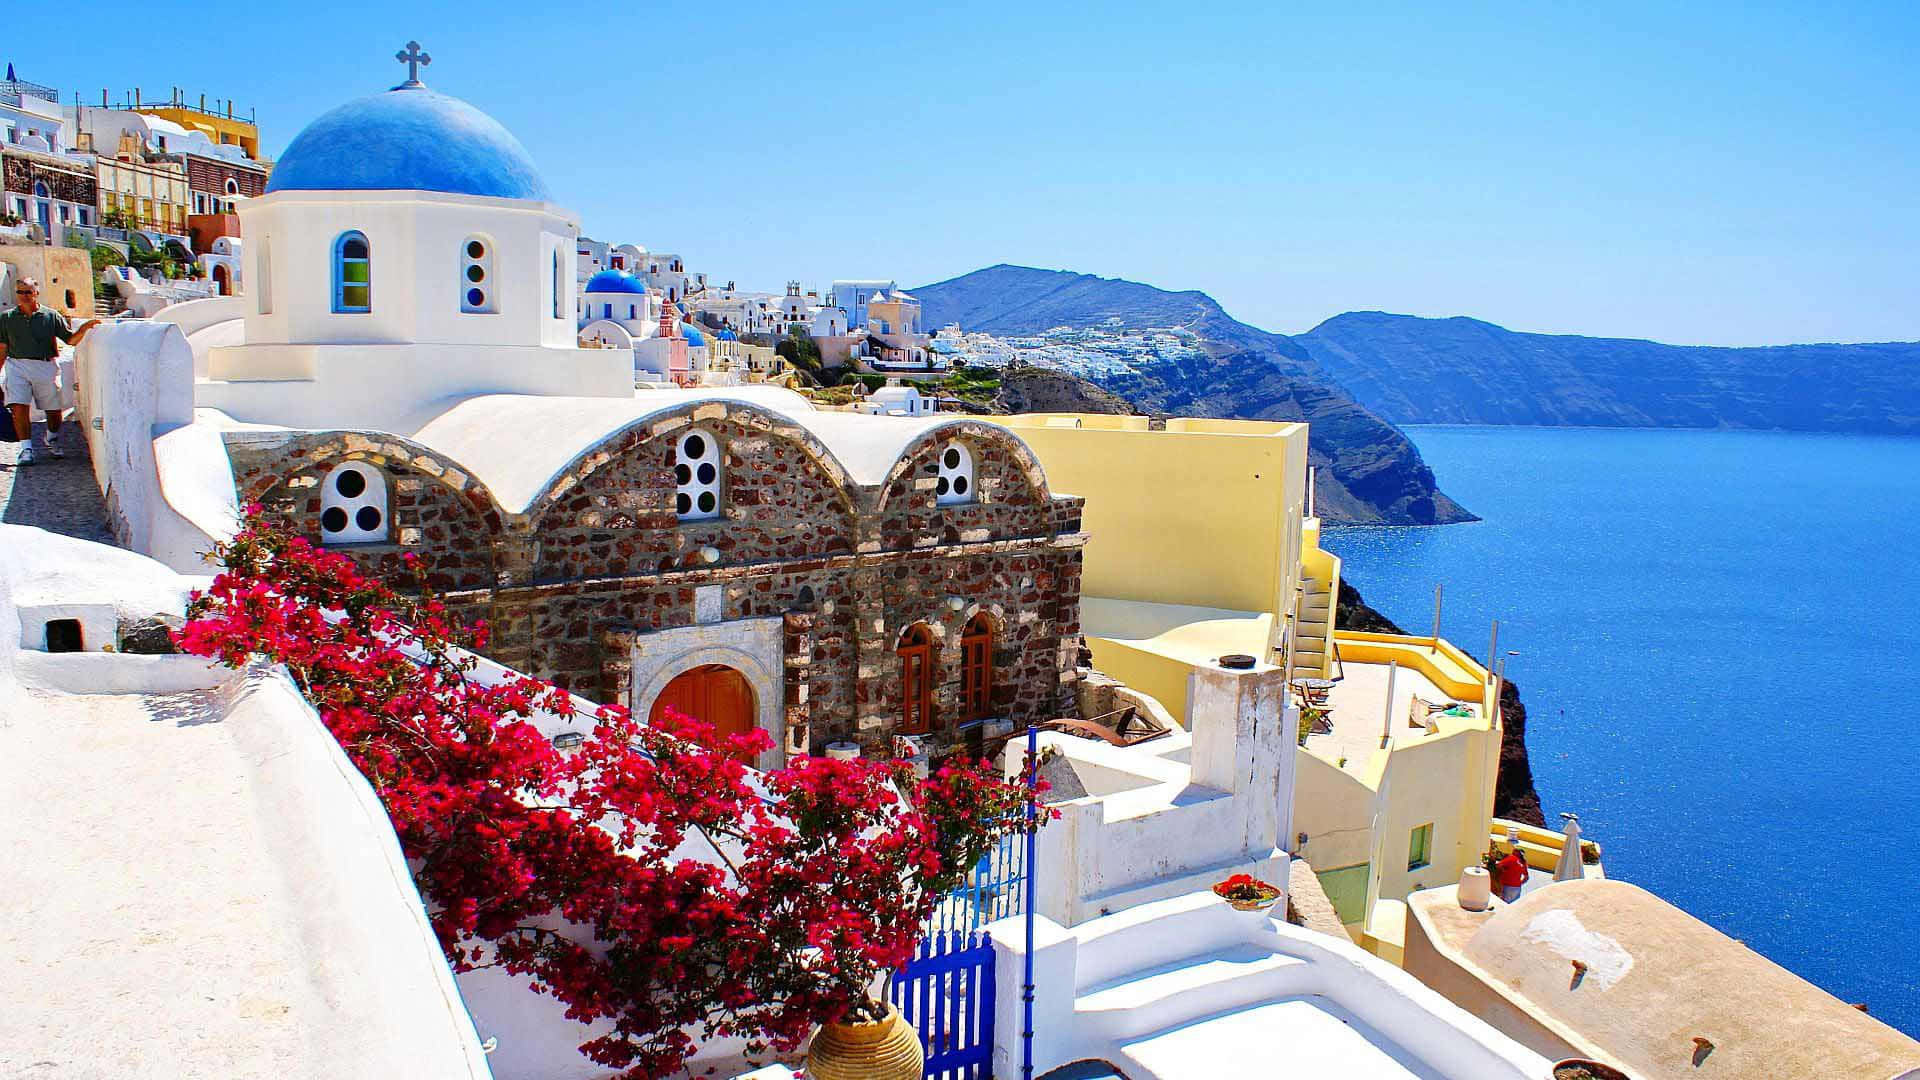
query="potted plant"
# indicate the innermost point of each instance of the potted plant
(1244, 892)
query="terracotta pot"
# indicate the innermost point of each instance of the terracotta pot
(886, 1049)
(1568, 1068)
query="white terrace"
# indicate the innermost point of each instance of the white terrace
(1357, 706)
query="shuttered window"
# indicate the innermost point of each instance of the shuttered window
(976, 669)
(916, 680)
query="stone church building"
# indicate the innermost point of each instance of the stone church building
(404, 375)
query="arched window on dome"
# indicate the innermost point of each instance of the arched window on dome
(476, 276)
(352, 274)
(353, 505)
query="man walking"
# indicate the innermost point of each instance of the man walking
(30, 364)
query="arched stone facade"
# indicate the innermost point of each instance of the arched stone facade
(435, 510)
(598, 573)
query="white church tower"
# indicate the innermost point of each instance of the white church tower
(406, 251)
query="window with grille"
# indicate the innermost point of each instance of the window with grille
(916, 680)
(976, 669)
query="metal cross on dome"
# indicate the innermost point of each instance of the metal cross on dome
(415, 60)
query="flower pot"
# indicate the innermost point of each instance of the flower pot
(884, 1049)
(1584, 1069)
(1252, 905)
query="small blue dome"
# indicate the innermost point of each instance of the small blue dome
(615, 281)
(695, 338)
(408, 139)
(727, 335)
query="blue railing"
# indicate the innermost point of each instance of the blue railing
(993, 891)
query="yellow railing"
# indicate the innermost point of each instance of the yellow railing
(1542, 847)
(1460, 676)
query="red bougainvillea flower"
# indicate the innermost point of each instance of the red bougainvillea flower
(699, 899)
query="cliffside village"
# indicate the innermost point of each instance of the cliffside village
(362, 338)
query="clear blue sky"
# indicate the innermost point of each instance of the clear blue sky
(1731, 173)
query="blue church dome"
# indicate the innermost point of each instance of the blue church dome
(695, 338)
(408, 139)
(615, 281)
(727, 335)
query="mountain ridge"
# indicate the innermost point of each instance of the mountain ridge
(1461, 370)
(1370, 472)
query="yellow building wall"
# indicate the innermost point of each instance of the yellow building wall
(1438, 780)
(1161, 677)
(1205, 513)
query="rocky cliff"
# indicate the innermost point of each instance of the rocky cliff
(1464, 371)
(1028, 389)
(1180, 354)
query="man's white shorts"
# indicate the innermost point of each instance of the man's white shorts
(33, 382)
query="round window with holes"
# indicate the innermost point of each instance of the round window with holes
(696, 476)
(353, 505)
(953, 482)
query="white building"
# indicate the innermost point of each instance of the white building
(852, 297)
(31, 117)
(667, 273)
(618, 297)
(828, 322)
(364, 311)
(224, 266)
(897, 401)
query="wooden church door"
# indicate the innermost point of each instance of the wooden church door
(714, 693)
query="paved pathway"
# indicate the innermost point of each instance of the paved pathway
(59, 496)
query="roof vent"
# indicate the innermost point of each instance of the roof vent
(1237, 661)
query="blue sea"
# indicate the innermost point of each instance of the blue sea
(1717, 637)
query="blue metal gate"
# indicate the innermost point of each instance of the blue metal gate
(947, 990)
(947, 993)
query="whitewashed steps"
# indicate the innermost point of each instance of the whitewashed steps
(1156, 998)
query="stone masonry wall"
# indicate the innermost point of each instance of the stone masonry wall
(434, 509)
(602, 557)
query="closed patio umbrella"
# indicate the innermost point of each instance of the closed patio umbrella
(1572, 867)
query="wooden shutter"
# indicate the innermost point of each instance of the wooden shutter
(916, 680)
(976, 669)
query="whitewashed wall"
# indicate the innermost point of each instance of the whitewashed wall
(133, 383)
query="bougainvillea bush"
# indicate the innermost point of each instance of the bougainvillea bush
(645, 878)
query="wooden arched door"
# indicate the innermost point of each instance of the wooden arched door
(714, 693)
(220, 281)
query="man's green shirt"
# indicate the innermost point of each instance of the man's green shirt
(31, 337)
